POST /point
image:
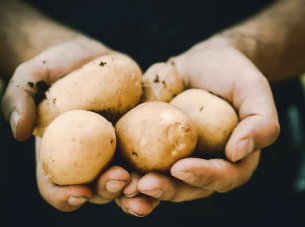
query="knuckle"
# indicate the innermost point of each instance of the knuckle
(173, 196)
(23, 67)
(20, 67)
(260, 80)
(207, 182)
(226, 188)
(275, 128)
(32, 69)
(177, 199)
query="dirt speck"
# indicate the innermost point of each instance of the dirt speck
(134, 154)
(41, 88)
(201, 109)
(103, 64)
(31, 84)
(157, 79)
(164, 83)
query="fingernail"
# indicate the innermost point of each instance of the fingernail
(14, 122)
(154, 193)
(115, 185)
(77, 200)
(132, 195)
(135, 214)
(242, 149)
(184, 175)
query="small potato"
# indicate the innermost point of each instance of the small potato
(109, 85)
(215, 119)
(161, 82)
(155, 135)
(76, 147)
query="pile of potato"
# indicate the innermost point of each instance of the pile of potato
(107, 106)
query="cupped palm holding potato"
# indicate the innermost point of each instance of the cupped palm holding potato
(215, 119)
(76, 147)
(109, 85)
(18, 105)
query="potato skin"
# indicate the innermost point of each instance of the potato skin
(214, 117)
(109, 85)
(161, 82)
(76, 147)
(155, 135)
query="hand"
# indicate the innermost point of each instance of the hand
(33, 77)
(133, 202)
(19, 108)
(191, 178)
(216, 66)
(104, 189)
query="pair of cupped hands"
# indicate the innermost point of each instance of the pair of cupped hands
(213, 65)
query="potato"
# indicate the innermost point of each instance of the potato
(109, 85)
(154, 135)
(214, 117)
(76, 147)
(161, 82)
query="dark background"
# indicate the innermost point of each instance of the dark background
(152, 31)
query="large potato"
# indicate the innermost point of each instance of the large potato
(215, 118)
(154, 135)
(76, 147)
(109, 85)
(161, 82)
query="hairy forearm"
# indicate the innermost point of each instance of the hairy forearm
(25, 32)
(274, 39)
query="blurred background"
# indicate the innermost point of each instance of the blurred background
(275, 194)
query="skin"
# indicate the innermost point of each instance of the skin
(268, 46)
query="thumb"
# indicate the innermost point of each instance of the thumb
(18, 103)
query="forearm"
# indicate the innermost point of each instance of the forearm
(274, 39)
(25, 32)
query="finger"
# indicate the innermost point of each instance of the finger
(67, 198)
(139, 206)
(259, 126)
(215, 174)
(32, 78)
(131, 189)
(110, 185)
(167, 188)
